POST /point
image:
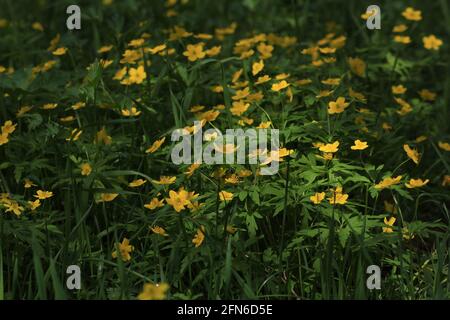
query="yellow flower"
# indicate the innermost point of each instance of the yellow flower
(137, 75)
(332, 81)
(214, 51)
(194, 52)
(37, 26)
(157, 49)
(102, 136)
(241, 94)
(74, 135)
(402, 39)
(265, 50)
(446, 181)
(154, 203)
(42, 195)
(125, 249)
(420, 139)
(400, 89)
(317, 197)
(264, 125)
(431, 42)
(359, 145)
(78, 105)
(338, 197)
(411, 14)
(60, 51)
(239, 107)
(137, 183)
(389, 223)
(280, 85)
(27, 183)
(412, 153)
(159, 230)
(263, 79)
(86, 169)
(400, 28)
(190, 171)
(199, 237)
(165, 180)
(357, 66)
(387, 182)
(133, 112)
(444, 145)
(337, 106)
(33, 205)
(416, 183)
(136, 43)
(14, 207)
(327, 50)
(3, 138)
(427, 95)
(225, 196)
(8, 127)
(257, 67)
(330, 147)
(153, 291)
(232, 179)
(107, 197)
(49, 106)
(104, 49)
(120, 74)
(178, 200)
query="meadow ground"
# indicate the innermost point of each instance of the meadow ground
(87, 176)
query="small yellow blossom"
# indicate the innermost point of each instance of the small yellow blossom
(317, 197)
(153, 291)
(125, 249)
(359, 145)
(389, 223)
(416, 183)
(86, 169)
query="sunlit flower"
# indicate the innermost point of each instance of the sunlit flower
(154, 203)
(337, 106)
(60, 51)
(178, 200)
(42, 195)
(194, 52)
(444, 145)
(410, 14)
(159, 230)
(399, 89)
(413, 154)
(199, 237)
(317, 197)
(153, 291)
(225, 196)
(165, 180)
(107, 197)
(387, 182)
(431, 42)
(416, 183)
(359, 145)
(279, 86)
(125, 248)
(137, 183)
(156, 145)
(86, 169)
(14, 207)
(357, 66)
(330, 147)
(257, 67)
(389, 223)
